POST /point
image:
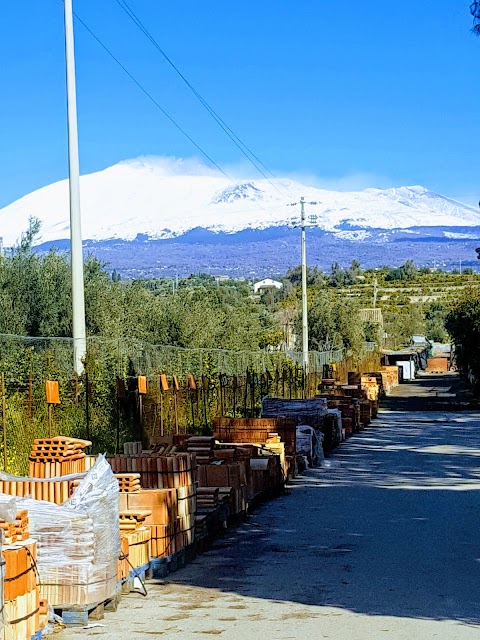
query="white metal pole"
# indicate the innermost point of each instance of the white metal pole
(304, 290)
(78, 293)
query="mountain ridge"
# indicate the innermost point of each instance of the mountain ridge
(158, 198)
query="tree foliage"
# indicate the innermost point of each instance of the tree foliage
(435, 315)
(35, 300)
(475, 11)
(407, 271)
(333, 322)
(463, 325)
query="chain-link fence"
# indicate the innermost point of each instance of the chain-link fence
(186, 388)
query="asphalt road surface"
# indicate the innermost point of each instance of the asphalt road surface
(384, 543)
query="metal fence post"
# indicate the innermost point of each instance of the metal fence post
(4, 424)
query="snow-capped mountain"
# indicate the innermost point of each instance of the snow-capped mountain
(165, 198)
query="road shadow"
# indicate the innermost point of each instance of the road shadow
(429, 392)
(389, 529)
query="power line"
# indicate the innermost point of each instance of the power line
(242, 146)
(150, 97)
(155, 102)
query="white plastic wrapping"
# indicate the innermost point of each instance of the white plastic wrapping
(8, 507)
(97, 495)
(305, 440)
(338, 417)
(310, 444)
(78, 543)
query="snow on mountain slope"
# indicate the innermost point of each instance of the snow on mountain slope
(164, 198)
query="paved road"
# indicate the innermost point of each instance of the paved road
(384, 544)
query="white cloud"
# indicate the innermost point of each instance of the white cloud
(173, 166)
(350, 182)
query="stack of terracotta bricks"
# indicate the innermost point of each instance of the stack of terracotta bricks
(168, 490)
(21, 612)
(59, 456)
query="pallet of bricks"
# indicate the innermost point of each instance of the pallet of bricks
(313, 412)
(75, 525)
(78, 545)
(332, 430)
(248, 469)
(222, 482)
(165, 486)
(390, 378)
(343, 398)
(261, 431)
(372, 384)
(55, 466)
(360, 407)
(135, 540)
(21, 595)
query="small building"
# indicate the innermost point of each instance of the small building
(373, 316)
(267, 283)
(409, 360)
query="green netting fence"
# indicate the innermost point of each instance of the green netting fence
(104, 404)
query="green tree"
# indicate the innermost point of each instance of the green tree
(463, 325)
(475, 11)
(333, 321)
(435, 315)
(404, 321)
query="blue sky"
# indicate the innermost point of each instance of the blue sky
(349, 94)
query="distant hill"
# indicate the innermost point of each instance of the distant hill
(162, 216)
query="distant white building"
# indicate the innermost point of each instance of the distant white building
(267, 283)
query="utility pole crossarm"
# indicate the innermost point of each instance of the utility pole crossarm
(303, 225)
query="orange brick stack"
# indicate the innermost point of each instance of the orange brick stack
(203, 448)
(169, 492)
(21, 592)
(59, 456)
(128, 482)
(56, 491)
(137, 535)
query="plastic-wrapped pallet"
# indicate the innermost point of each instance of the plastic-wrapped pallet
(19, 591)
(338, 416)
(309, 444)
(78, 542)
(97, 495)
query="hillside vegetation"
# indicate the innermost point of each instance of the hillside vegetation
(200, 312)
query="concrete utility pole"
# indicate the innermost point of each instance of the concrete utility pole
(304, 288)
(303, 224)
(78, 292)
(375, 291)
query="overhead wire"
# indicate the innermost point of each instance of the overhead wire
(150, 97)
(242, 146)
(156, 103)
